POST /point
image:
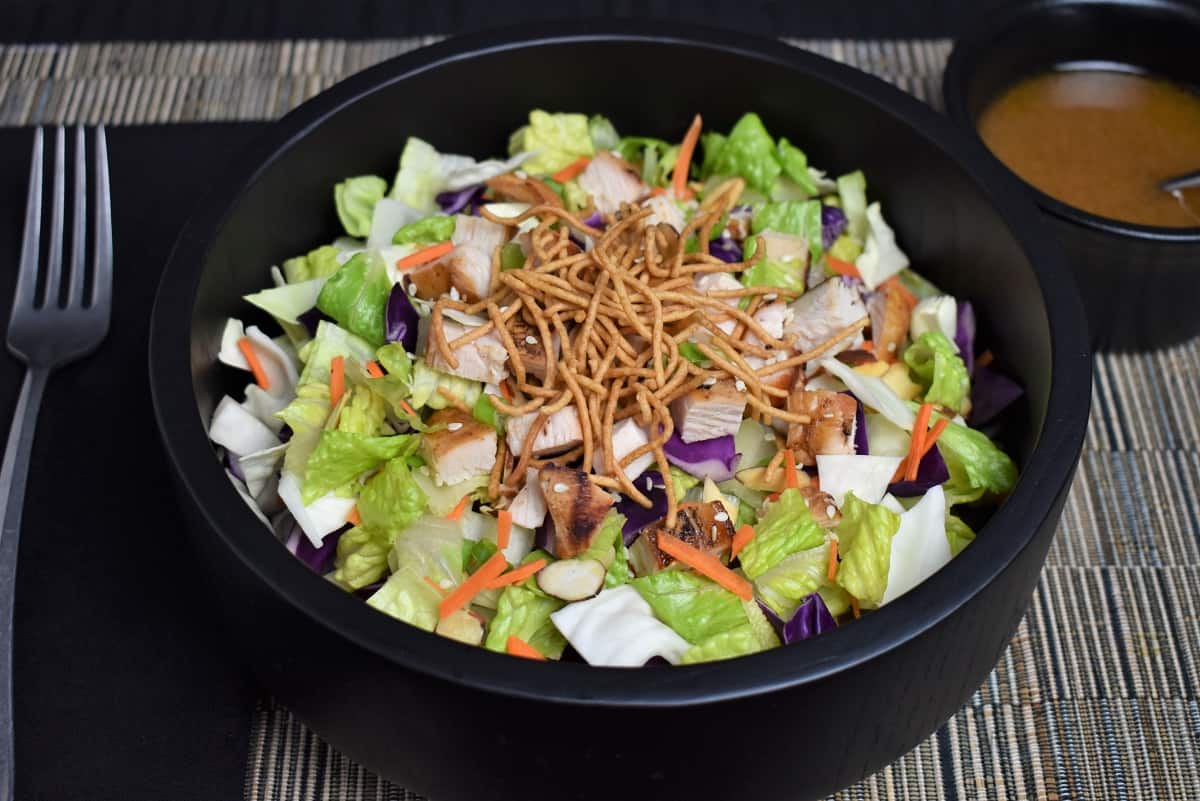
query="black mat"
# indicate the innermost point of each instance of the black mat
(124, 687)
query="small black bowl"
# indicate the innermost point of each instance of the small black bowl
(460, 723)
(1139, 283)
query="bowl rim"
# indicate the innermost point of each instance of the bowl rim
(972, 47)
(1044, 480)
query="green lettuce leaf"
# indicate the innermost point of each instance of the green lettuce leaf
(976, 464)
(486, 413)
(656, 157)
(364, 412)
(394, 386)
(420, 176)
(556, 139)
(713, 143)
(608, 548)
(683, 482)
(795, 166)
(362, 557)
(442, 498)
(852, 191)
(865, 534)
(286, 303)
(428, 231)
(790, 275)
(512, 257)
(355, 199)
(801, 217)
(356, 296)
(331, 340)
(341, 457)
(785, 527)
(318, 263)
(793, 579)
(429, 548)
(748, 151)
(934, 363)
(845, 248)
(476, 553)
(391, 500)
(524, 612)
(425, 384)
(959, 534)
(604, 135)
(306, 416)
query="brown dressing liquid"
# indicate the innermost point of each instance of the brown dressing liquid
(1102, 142)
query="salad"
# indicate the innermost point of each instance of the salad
(614, 398)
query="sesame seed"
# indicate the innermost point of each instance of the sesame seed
(830, 510)
(891, 347)
(649, 483)
(770, 296)
(714, 532)
(720, 517)
(560, 487)
(708, 382)
(453, 426)
(412, 289)
(531, 340)
(740, 385)
(454, 293)
(768, 436)
(503, 309)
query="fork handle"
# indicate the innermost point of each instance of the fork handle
(13, 472)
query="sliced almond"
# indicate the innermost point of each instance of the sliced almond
(462, 626)
(572, 579)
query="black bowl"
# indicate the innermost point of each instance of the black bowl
(1139, 283)
(463, 723)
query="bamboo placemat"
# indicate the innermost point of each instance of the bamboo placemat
(1096, 696)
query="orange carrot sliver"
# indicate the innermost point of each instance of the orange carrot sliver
(353, 518)
(932, 437)
(518, 647)
(337, 379)
(842, 267)
(505, 390)
(424, 255)
(683, 162)
(831, 573)
(791, 479)
(854, 607)
(407, 409)
(917, 445)
(901, 469)
(656, 191)
(503, 528)
(571, 170)
(869, 346)
(706, 565)
(474, 583)
(742, 538)
(984, 359)
(517, 575)
(374, 369)
(459, 507)
(260, 375)
(435, 586)
(902, 290)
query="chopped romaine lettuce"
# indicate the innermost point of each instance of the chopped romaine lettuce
(799, 217)
(430, 550)
(425, 384)
(286, 303)
(683, 482)
(796, 577)
(556, 140)
(364, 412)
(306, 416)
(976, 465)
(795, 166)
(356, 296)
(437, 228)
(341, 457)
(786, 526)
(865, 534)
(712, 619)
(362, 557)
(934, 361)
(391, 500)
(852, 191)
(604, 135)
(318, 263)
(442, 498)
(958, 534)
(748, 151)
(355, 199)
(608, 549)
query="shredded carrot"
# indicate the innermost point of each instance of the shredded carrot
(518, 647)
(407, 409)
(435, 586)
(425, 255)
(742, 538)
(815, 483)
(909, 297)
(831, 573)
(774, 496)
(932, 437)
(656, 191)
(506, 390)
(472, 586)
(901, 469)
(374, 369)
(842, 267)
(503, 528)
(260, 375)
(459, 507)
(517, 575)
(683, 162)
(337, 379)
(571, 170)
(984, 359)
(854, 607)
(791, 479)
(353, 518)
(706, 565)
(868, 346)
(917, 445)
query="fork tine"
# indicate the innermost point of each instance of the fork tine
(79, 224)
(54, 257)
(30, 242)
(103, 259)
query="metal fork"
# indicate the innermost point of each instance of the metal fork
(60, 313)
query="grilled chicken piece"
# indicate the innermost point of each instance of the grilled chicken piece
(665, 212)
(431, 280)
(831, 430)
(464, 448)
(709, 412)
(511, 186)
(890, 316)
(561, 432)
(705, 283)
(484, 359)
(738, 226)
(610, 182)
(528, 508)
(475, 239)
(820, 313)
(576, 507)
(704, 526)
(627, 436)
(528, 340)
(820, 504)
(773, 317)
(790, 249)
